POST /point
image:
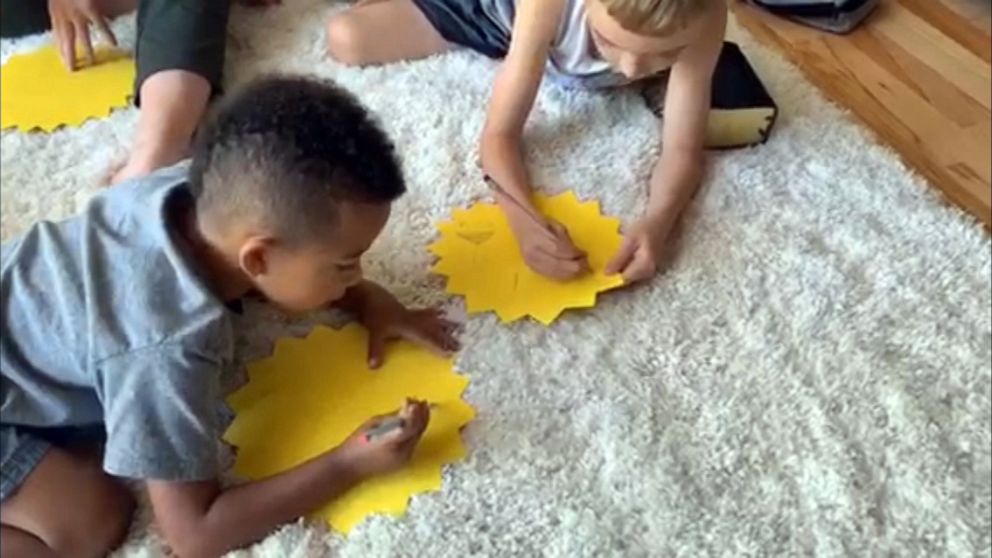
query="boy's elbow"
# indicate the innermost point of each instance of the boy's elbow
(195, 538)
(194, 545)
(498, 139)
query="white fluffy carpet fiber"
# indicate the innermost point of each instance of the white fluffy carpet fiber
(810, 377)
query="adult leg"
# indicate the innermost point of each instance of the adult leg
(66, 506)
(355, 36)
(180, 58)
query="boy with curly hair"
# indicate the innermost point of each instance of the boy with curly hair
(119, 321)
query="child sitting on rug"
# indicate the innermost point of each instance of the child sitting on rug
(121, 319)
(582, 43)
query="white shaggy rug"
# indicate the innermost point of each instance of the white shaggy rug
(810, 377)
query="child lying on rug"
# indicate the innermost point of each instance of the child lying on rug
(582, 43)
(121, 319)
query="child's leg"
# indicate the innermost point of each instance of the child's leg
(180, 57)
(172, 104)
(66, 506)
(355, 36)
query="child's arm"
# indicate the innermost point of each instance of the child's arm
(201, 519)
(679, 169)
(516, 86)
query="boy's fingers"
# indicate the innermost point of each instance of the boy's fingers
(443, 332)
(420, 418)
(104, 27)
(442, 319)
(83, 32)
(448, 325)
(623, 257)
(565, 269)
(67, 45)
(415, 418)
(549, 266)
(377, 348)
(446, 339)
(564, 247)
(430, 340)
(638, 270)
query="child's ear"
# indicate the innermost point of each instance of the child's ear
(253, 258)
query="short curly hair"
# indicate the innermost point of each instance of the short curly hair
(284, 151)
(656, 18)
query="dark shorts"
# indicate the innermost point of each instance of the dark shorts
(23, 17)
(465, 23)
(20, 453)
(186, 35)
(22, 449)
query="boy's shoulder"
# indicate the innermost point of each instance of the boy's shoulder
(171, 304)
(124, 280)
(132, 201)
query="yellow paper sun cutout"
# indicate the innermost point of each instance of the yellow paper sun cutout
(312, 393)
(38, 92)
(481, 259)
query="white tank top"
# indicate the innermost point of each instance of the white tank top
(574, 60)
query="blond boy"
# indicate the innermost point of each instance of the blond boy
(577, 43)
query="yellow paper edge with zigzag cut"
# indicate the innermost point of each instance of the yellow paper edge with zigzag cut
(480, 257)
(312, 393)
(37, 92)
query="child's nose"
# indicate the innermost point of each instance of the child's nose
(631, 65)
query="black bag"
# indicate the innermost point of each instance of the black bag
(742, 113)
(836, 16)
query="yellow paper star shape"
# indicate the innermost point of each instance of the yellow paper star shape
(38, 92)
(482, 261)
(312, 393)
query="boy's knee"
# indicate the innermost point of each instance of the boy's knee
(344, 39)
(102, 524)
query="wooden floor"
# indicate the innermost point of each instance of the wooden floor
(918, 74)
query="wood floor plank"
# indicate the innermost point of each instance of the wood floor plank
(946, 16)
(919, 90)
(957, 64)
(926, 81)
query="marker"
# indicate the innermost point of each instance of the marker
(535, 218)
(541, 223)
(388, 425)
(384, 427)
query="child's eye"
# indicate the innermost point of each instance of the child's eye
(346, 267)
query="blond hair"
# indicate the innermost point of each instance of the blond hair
(655, 17)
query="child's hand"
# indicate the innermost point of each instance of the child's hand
(71, 20)
(387, 319)
(426, 327)
(641, 252)
(548, 250)
(390, 451)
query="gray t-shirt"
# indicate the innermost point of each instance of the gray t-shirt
(103, 319)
